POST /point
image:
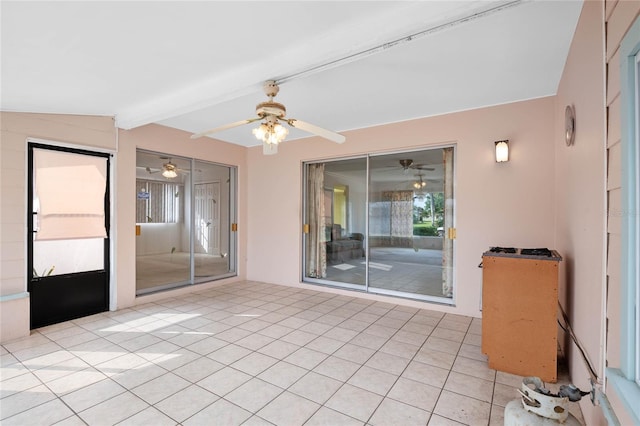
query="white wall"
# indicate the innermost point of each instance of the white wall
(160, 238)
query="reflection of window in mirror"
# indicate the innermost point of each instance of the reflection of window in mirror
(340, 194)
(328, 206)
(158, 202)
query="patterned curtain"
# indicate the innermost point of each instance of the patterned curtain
(316, 238)
(400, 205)
(447, 245)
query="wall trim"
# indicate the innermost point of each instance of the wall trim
(14, 296)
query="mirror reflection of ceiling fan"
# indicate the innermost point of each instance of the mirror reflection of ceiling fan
(169, 170)
(271, 132)
(408, 165)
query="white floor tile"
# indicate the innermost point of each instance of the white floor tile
(92, 395)
(46, 414)
(224, 381)
(253, 395)
(160, 388)
(316, 387)
(224, 413)
(328, 417)
(186, 402)
(354, 402)
(113, 410)
(288, 409)
(391, 412)
(463, 409)
(309, 358)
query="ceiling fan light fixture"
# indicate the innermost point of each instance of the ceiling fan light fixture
(169, 174)
(169, 170)
(271, 132)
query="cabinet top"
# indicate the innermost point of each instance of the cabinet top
(523, 253)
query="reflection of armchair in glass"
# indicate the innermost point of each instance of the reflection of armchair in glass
(342, 248)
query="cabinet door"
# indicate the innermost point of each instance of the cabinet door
(519, 305)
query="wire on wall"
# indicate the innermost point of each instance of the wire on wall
(567, 328)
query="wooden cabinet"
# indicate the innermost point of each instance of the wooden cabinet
(519, 306)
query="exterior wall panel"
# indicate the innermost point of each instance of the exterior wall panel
(620, 15)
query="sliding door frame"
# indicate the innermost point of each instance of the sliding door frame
(367, 288)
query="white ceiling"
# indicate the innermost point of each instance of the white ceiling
(198, 65)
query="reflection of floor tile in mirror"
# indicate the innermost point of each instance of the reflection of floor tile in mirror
(162, 269)
(394, 268)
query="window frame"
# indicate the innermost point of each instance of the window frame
(625, 380)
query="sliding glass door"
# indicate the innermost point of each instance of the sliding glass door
(336, 216)
(382, 223)
(184, 212)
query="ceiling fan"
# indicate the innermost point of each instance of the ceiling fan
(270, 131)
(169, 170)
(408, 164)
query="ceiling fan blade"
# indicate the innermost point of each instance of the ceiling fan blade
(327, 134)
(420, 167)
(225, 127)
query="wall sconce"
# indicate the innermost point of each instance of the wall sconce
(502, 151)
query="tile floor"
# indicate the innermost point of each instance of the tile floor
(394, 268)
(255, 354)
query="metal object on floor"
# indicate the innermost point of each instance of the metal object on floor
(538, 406)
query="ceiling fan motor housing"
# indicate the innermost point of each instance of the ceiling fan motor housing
(265, 109)
(271, 88)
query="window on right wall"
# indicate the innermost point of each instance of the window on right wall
(626, 379)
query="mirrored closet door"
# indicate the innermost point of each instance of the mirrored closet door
(184, 212)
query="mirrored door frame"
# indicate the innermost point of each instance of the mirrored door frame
(231, 255)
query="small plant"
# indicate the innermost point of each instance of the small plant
(45, 273)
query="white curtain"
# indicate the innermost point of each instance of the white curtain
(70, 190)
(447, 245)
(316, 238)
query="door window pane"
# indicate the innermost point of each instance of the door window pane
(68, 212)
(67, 256)
(162, 241)
(335, 244)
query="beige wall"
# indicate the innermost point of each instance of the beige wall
(92, 132)
(166, 140)
(619, 16)
(507, 204)
(580, 197)
(270, 187)
(87, 132)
